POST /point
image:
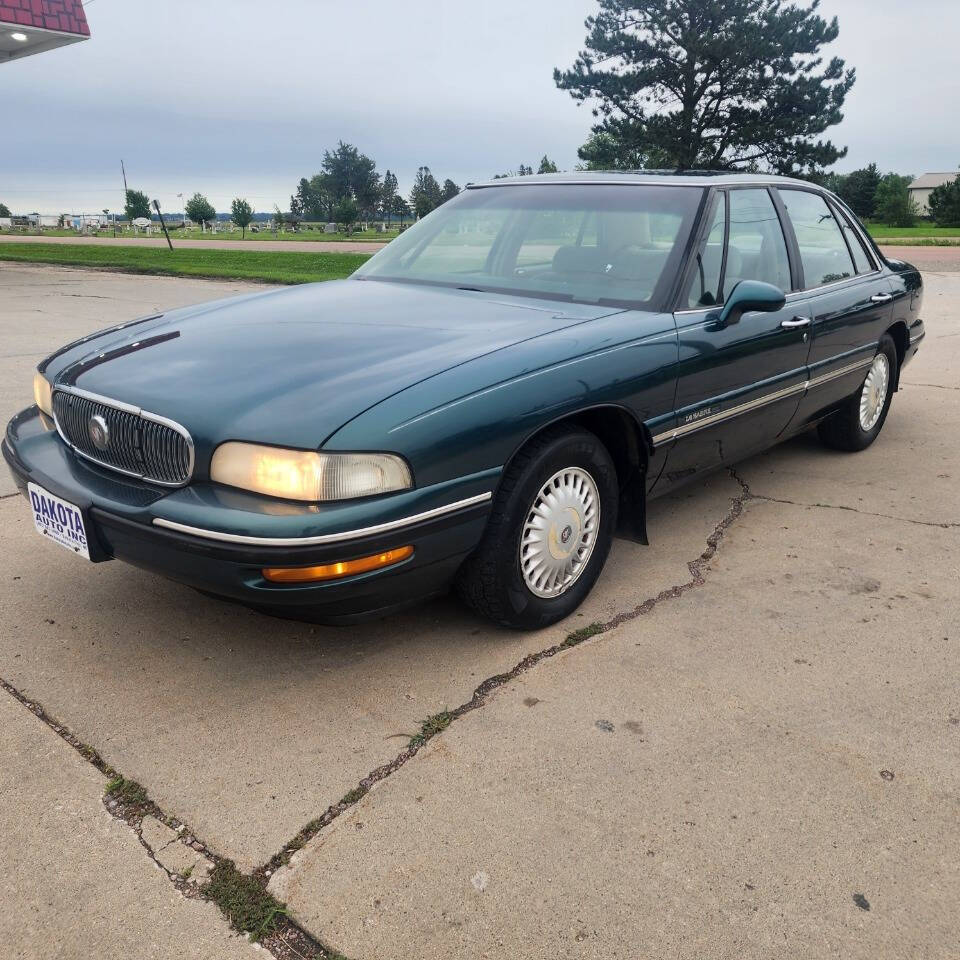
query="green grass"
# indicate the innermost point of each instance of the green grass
(244, 900)
(279, 266)
(126, 791)
(879, 230)
(431, 727)
(584, 633)
(357, 793)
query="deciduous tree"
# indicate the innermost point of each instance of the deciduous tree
(199, 209)
(4, 210)
(449, 190)
(242, 214)
(894, 205)
(425, 194)
(859, 190)
(388, 193)
(351, 173)
(137, 205)
(401, 208)
(346, 213)
(731, 84)
(944, 204)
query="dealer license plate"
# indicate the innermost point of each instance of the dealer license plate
(58, 520)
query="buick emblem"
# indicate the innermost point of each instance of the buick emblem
(98, 432)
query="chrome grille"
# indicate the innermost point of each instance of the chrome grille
(140, 444)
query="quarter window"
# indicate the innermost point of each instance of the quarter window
(756, 249)
(823, 251)
(861, 258)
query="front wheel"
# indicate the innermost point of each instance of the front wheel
(549, 532)
(860, 419)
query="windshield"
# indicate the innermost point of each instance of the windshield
(591, 243)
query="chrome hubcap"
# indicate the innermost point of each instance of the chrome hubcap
(874, 393)
(560, 532)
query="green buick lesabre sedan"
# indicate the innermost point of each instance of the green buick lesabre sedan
(484, 404)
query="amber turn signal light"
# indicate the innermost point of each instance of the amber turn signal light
(334, 571)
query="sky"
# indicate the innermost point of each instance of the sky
(240, 98)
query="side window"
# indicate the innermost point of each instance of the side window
(705, 282)
(823, 251)
(861, 259)
(756, 249)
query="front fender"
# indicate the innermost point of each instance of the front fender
(473, 418)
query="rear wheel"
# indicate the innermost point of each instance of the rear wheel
(549, 532)
(861, 417)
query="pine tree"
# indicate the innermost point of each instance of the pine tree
(732, 84)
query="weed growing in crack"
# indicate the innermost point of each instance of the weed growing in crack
(249, 907)
(126, 791)
(353, 796)
(431, 727)
(584, 633)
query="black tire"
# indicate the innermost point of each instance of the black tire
(490, 580)
(843, 429)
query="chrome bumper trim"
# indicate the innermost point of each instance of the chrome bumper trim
(326, 537)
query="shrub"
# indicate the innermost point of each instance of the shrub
(945, 204)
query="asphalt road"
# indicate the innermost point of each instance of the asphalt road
(290, 246)
(757, 756)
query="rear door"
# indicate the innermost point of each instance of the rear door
(848, 296)
(739, 385)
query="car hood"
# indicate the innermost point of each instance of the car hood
(291, 366)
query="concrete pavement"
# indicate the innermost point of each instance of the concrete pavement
(765, 764)
(75, 883)
(702, 779)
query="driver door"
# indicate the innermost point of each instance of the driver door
(739, 385)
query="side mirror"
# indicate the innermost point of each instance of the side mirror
(751, 295)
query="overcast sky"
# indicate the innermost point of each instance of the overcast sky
(218, 96)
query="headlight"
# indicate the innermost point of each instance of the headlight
(42, 394)
(307, 475)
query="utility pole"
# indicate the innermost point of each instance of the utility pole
(124, 172)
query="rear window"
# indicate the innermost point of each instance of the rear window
(592, 243)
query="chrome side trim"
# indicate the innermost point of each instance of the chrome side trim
(840, 372)
(133, 411)
(326, 537)
(757, 402)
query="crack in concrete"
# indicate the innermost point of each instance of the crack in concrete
(937, 386)
(287, 940)
(482, 693)
(949, 525)
(7, 496)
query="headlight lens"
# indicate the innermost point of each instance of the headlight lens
(307, 475)
(42, 393)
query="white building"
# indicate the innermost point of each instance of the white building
(923, 186)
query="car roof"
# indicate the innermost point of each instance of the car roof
(700, 178)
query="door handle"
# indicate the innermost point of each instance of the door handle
(795, 323)
(881, 297)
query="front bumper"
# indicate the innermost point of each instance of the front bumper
(219, 540)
